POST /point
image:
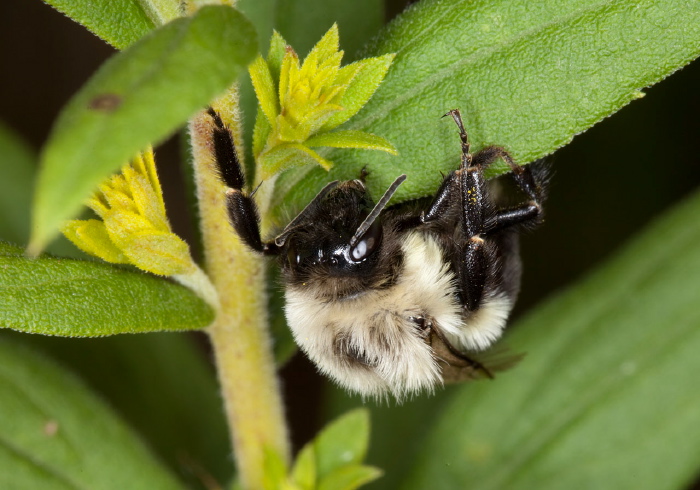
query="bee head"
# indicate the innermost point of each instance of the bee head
(338, 245)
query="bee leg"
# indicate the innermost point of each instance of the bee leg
(532, 180)
(481, 221)
(467, 187)
(451, 185)
(242, 210)
(477, 264)
(476, 257)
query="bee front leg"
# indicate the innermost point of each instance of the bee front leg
(242, 210)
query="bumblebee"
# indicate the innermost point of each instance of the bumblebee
(397, 299)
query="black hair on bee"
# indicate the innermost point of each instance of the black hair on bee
(396, 300)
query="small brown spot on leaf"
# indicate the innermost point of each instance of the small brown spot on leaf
(51, 428)
(105, 102)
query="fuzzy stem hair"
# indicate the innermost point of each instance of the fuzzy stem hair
(240, 334)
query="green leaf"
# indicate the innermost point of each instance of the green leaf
(55, 434)
(17, 163)
(607, 395)
(365, 82)
(140, 376)
(289, 155)
(275, 55)
(527, 76)
(343, 442)
(118, 22)
(138, 97)
(397, 430)
(274, 470)
(351, 139)
(76, 298)
(349, 477)
(304, 470)
(91, 236)
(327, 47)
(261, 131)
(264, 88)
(332, 460)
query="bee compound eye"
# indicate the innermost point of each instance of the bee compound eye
(299, 254)
(368, 243)
(293, 256)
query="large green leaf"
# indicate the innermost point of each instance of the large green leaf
(137, 98)
(526, 75)
(55, 435)
(119, 22)
(607, 396)
(77, 298)
(140, 376)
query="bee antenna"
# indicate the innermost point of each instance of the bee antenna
(377, 210)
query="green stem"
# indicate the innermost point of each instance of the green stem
(240, 334)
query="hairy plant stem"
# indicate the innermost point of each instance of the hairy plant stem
(240, 334)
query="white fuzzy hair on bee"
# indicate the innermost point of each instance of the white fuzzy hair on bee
(397, 300)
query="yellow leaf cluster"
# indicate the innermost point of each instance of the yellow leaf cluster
(302, 102)
(133, 227)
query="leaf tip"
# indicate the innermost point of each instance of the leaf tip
(34, 248)
(37, 243)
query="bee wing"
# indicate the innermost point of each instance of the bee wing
(460, 366)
